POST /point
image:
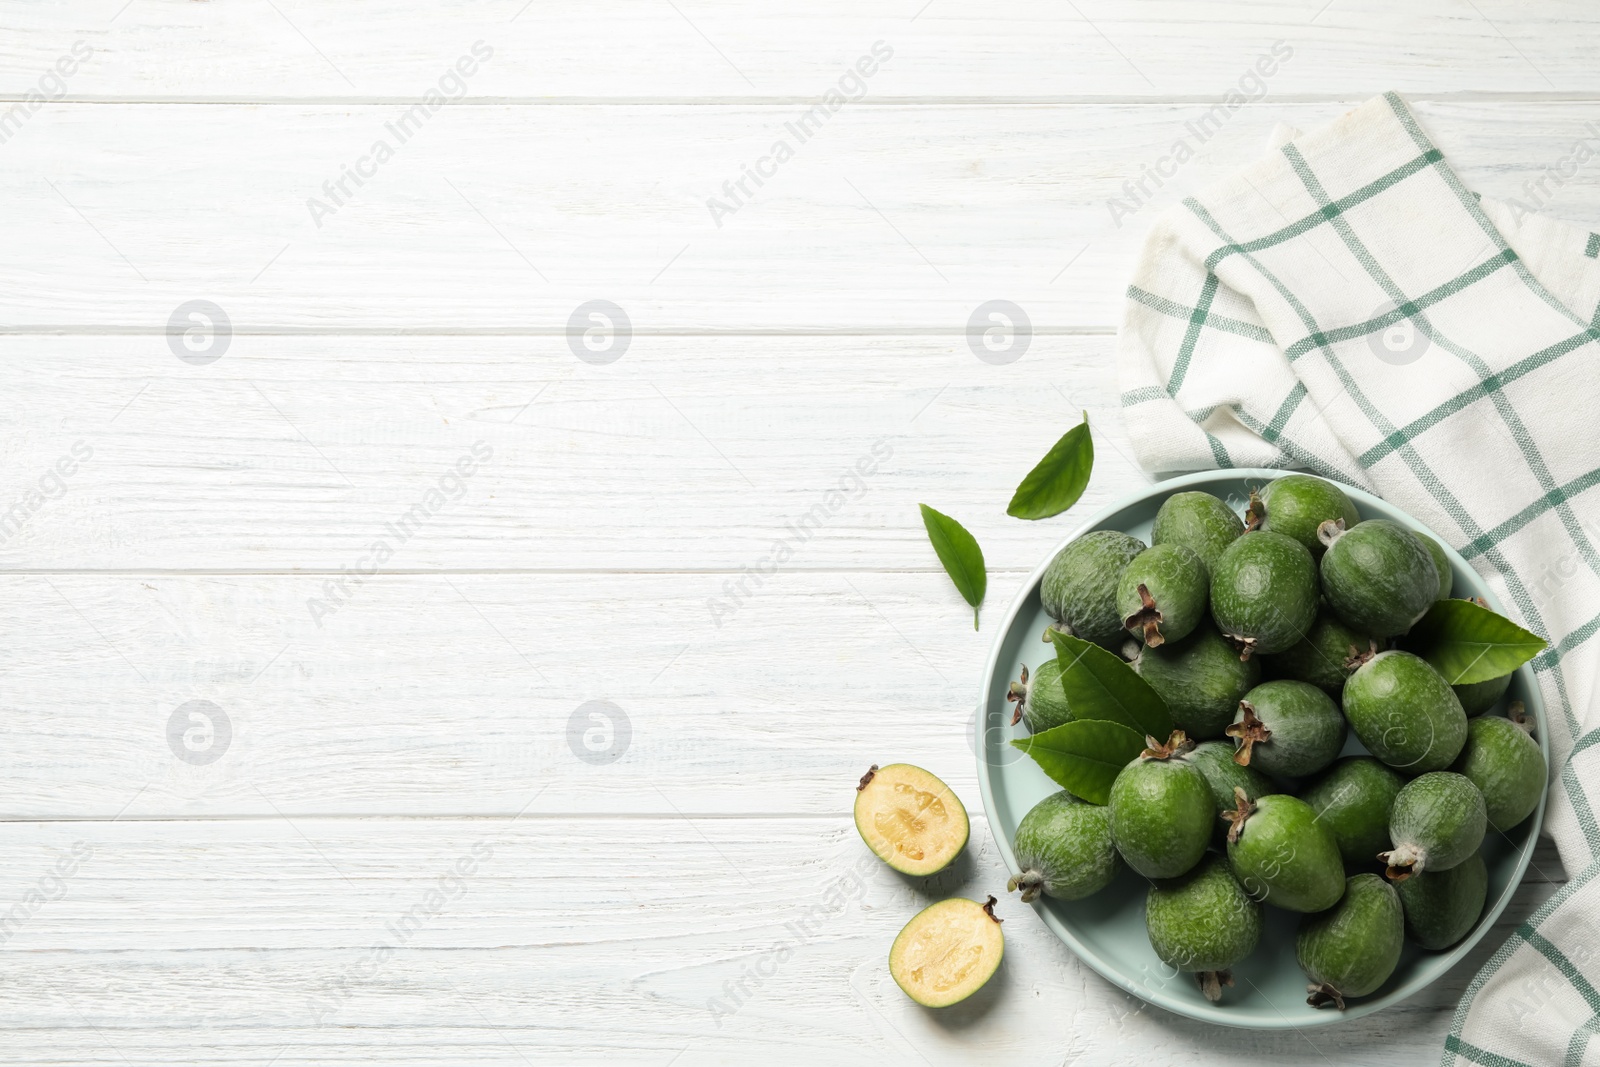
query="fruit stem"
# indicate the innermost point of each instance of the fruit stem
(1322, 994)
(1330, 531)
(988, 909)
(1242, 810)
(1245, 645)
(1147, 618)
(1402, 861)
(1031, 882)
(1256, 513)
(1176, 745)
(1517, 712)
(1211, 983)
(1357, 657)
(1017, 693)
(1248, 732)
(866, 778)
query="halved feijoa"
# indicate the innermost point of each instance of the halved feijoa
(947, 951)
(910, 819)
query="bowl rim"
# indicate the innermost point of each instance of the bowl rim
(1534, 703)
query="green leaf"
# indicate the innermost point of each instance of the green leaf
(1084, 756)
(1467, 643)
(1099, 685)
(959, 552)
(1056, 483)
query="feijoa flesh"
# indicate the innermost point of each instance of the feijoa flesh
(1064, 849)
(1161, 811)
(1161, 595)
(1200, 522)
(1378, 576)
(1505, 763)
(1079, 587)
(1040, 699)
(1405, 713)
(1438, 821)
(1288, 729)
(1354, 799)
(947, 951)
(1442, 907)
(910, 819)
(1201, 679)
(1203, 922)
(1282, 854)
(1352, 949)
(1264, 592)
(1296, 505)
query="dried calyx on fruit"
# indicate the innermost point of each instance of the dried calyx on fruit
(1438, 821)
(1040, 700)
(1247, 731)
(1064, 849)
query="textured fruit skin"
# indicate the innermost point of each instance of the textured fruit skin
(1353, 948)
(1320, 657)
(1442, 907)
(1478, 697)
(1285, 857)
(1068, 843)
(1044, 704)
(1161, 816)
(1405, 713)
(1354, 800)
(1297, 504)
(1202, 680)
(1438, 818)
(1200, 522)
(1308, 729)
(935, 802)
(1215, 760)
(1379, 578)
(1203, 920)
(1441, 563)
(1176, 580)
(923, 942)
(1079, 588)
(1264, 587)
(1506, 766)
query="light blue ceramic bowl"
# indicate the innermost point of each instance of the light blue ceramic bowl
(1107, 930)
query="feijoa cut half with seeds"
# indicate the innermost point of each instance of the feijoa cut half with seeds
(1505, 763)
(1296, 505)
(1079, 587)
(1352, 949)
(1264, 593)
(1162, 594)
(1378, 576)
(1200, 522)
(1201, 679)
(1064, 849)
(910, 819)
(1442, 907)
(1438, 821)
(947, 951)
(1203, 922)
(1405, 712)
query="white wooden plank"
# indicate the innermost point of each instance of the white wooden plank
(689, 453)
(559, 941)
(723, 49)
(511, 217)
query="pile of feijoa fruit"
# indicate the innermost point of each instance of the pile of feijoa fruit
(1272, 639)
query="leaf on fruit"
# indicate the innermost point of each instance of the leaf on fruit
(1084, 756)
(1467, 643)
(1099, 685)
(1058, 480)
(958, 551)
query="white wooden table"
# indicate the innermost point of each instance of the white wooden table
(403, 837)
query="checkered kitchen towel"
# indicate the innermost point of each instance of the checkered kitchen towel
(1347, 305)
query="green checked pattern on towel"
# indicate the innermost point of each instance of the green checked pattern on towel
(1348, 306)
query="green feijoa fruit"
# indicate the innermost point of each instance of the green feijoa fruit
(1264, 592)
(1328, 654)
(910, 819)
(1353, 800)
(1200, 522)
(1201, 678)
(1437, 822)
(1161, 811)
(1041, 701)
(1352, 949)
(1079, 588)
(1223, 775)
(1296, 505)
(947, 951)
(1447, 577)
(1289, 729)
(1161, 595)
(1282, 854)
(1405, 713)
(1443, 906)
(1506, 766)
(1378, 576)
(1203, 922)
(1478, 697)
(1064, 849)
